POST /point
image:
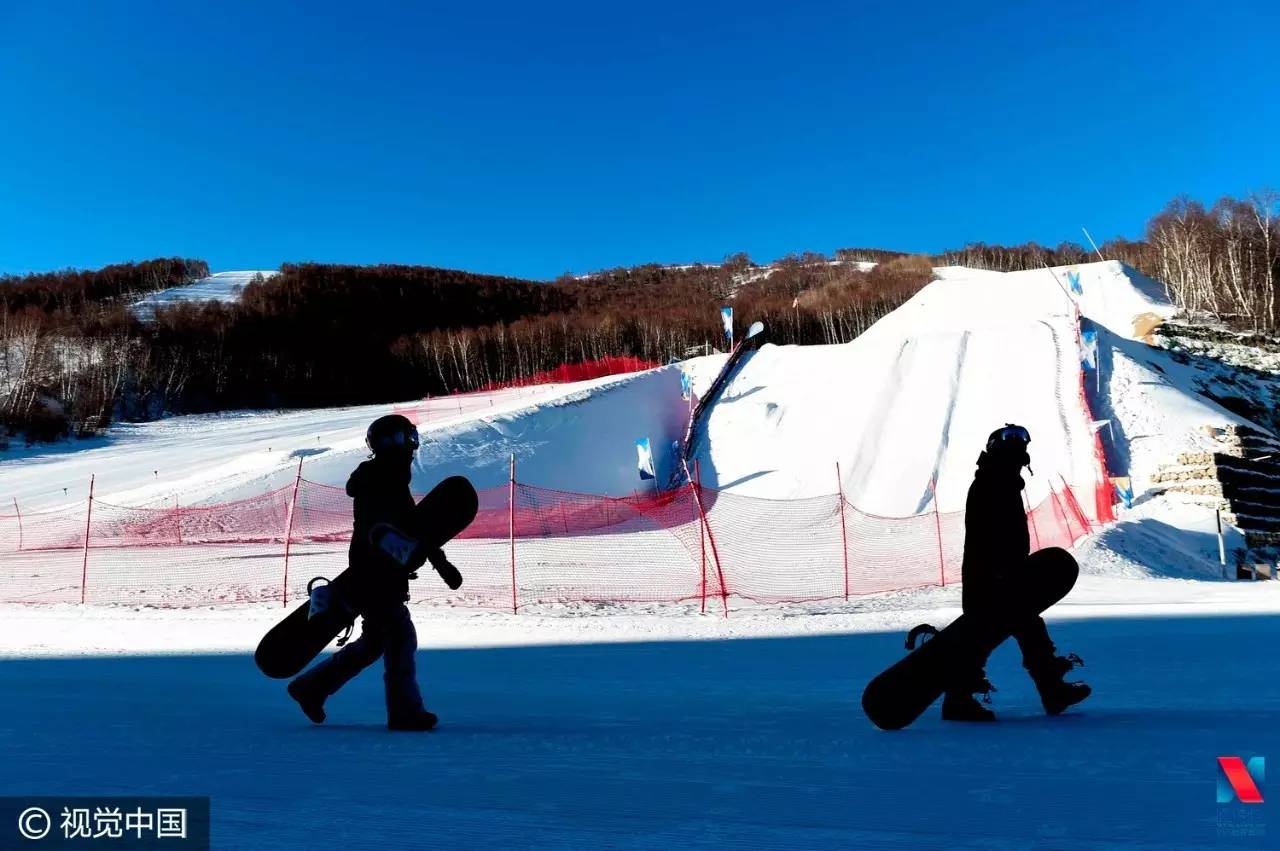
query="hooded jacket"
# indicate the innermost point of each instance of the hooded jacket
(996, 538)
(380, 492)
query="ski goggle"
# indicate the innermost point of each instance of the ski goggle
(408, 437)
(1009, 432)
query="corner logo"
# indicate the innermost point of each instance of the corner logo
(1241, 781)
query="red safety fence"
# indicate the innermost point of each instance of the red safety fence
(528, 545)
(1103, 497)
(583, 371)
(531, 387)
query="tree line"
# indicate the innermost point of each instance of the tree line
(1222, 260)
(74, 357)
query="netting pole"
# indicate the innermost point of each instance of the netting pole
(937, 523)
(511, 522)
(1074, 505)
(18, 511)
(288, 536)
(844, 537)
(702, 538)
(84, 567)
(711, 539)
(1031, 516)
(1059, 510)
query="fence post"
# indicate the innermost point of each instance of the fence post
(702, 538)
(1222, 547)
(1031, 517)
(88, 518)
(711, 539)
(937, 523)
(1061, 511)
(1070, 496)
(288, 536)
(511, 521)
(18, 511)
(844, 538)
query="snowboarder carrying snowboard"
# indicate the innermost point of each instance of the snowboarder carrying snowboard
(380, 490)
(996, 544)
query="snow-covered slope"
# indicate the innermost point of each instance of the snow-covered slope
(578, 436)
(909, 402)
(220, 286)
(912, 400)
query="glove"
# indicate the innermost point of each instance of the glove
(447, 571)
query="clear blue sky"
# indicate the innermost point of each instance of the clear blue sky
(536, 138)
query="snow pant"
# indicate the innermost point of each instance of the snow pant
(389, 634)
(1032, 635)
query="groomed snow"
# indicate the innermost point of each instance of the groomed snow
(220, 286)
(912, 400)
(658, 729)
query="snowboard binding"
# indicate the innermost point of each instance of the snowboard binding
(321, 598)
(411, 554)
(920, 634)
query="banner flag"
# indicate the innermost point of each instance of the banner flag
(1124, 487)
(1089, 342)
(726, 316)
(644, 457)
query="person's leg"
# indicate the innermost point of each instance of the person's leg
(400, 642)
(330, 675)
(1047, 669)
(1033, 640)
(959, 703)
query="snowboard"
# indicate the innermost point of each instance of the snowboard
(899, 695)
(440, 515)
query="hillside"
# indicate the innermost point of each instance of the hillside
(907, 403)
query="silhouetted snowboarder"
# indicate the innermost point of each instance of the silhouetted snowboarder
(996, 546)
(380, 490)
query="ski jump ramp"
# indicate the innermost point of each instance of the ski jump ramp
(907, 407)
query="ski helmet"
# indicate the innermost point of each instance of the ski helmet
(391, 432)
(1010, 442)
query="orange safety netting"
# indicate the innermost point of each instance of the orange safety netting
(527, 545)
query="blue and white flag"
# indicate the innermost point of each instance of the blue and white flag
(644, 457)
(726, 316)
(1124, 488)
(686, 385)
(1089, 348)
(1073, 278)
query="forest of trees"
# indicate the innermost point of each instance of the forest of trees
(73, 357)
(1223, 260)
(70, 350)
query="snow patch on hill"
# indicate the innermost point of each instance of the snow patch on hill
(223, 287)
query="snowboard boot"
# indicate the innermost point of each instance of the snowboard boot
(1056, 695)
(312, 704)
(420, 721)
(961, 705)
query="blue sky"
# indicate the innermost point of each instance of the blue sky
(537, 138)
